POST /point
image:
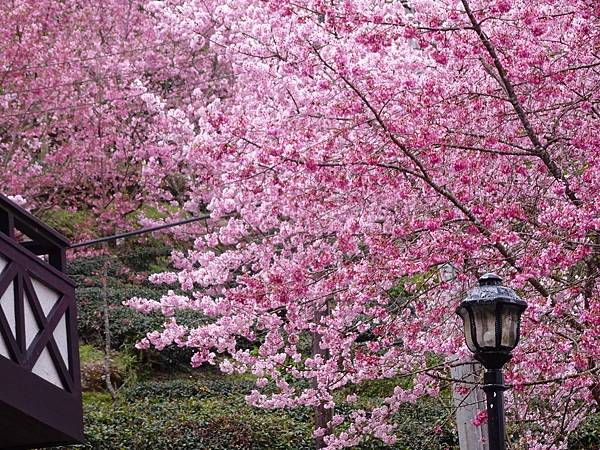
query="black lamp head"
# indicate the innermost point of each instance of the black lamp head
(491, 316)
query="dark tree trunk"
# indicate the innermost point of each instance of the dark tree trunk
(322, 415)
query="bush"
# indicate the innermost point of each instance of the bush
(166, 390)
(193, 388)
(211, 414)
(587, 435)
(126, 325)
(92, 368)
(192, 423)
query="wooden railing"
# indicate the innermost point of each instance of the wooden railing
(39, 356)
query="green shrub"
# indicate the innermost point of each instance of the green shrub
(425, 424)
(166, 390)
(192, 423)
(199, 413)
(587, 435)
(190, 388)
(92, 368)
(126, 325)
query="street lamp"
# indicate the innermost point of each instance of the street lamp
(491, 315)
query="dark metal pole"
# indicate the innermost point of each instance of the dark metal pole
(494, 391)
(136, 232)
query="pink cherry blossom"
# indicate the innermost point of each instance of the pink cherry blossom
(348, 154)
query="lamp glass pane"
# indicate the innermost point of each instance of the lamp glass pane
(510, 325)
(464, 314)
(485, 324)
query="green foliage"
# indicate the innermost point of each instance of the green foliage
(378, 389)
(89, 353)
(210, 413)
(425, 424)
(121, 366)
(587, 435)
(151, 256)
(125, 279)
(180, 388)
(126, 325)
(183, 419)
(68, 222)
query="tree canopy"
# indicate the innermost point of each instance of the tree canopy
(345, 151)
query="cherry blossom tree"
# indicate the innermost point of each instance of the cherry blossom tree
(346, 151)
(78, 109)
(366, 144)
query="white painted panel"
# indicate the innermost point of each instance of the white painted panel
(46, 295)
(3, 348)
(7, 303)
(44, 367)
(31, 326)
(3, 263)
(60, 336)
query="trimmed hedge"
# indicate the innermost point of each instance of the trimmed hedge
(212, 414)
(181, 389)
(218, 423)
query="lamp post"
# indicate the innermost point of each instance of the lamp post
(491, 315)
